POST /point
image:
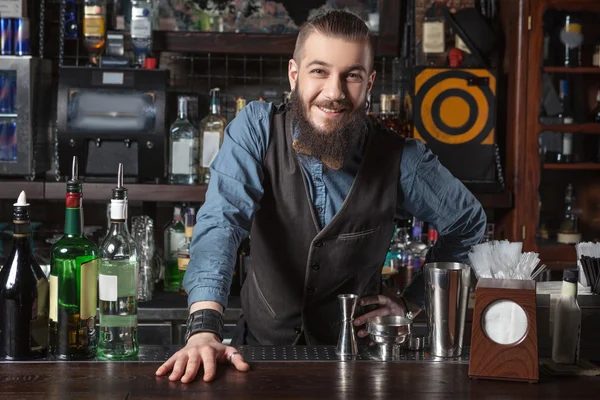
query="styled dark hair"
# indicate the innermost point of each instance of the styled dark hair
(341, 24)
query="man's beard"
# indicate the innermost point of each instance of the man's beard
(332, 147)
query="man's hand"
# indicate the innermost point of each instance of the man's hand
(203, 348)
(388, 305)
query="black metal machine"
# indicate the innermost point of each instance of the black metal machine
(108, 116)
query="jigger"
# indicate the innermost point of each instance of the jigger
(347, 340)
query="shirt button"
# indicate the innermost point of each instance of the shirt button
(316, 267)
(319, 209)
(310, 289)
(298, 330)
(318, 243)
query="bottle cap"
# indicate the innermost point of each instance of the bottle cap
(570, 275)
(150, 63)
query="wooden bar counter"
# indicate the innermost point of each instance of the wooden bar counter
(278, 380)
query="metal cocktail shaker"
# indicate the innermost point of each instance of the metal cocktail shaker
(446, 298)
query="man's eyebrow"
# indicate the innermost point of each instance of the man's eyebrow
(354, 67)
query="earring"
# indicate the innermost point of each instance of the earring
(367, 104)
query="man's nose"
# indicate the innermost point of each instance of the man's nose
(334, 89)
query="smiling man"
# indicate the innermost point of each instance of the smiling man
(317, 185)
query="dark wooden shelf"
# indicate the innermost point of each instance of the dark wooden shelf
(591, 128)
(12, 189)
(168, 193)
(574, 70)
(136, 192)
(558, 254)
(574, 167)
(227, 42)
(242, 43)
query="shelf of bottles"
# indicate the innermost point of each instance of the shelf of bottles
(569, 136)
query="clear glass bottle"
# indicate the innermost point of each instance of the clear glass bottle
(117, 278)
(73, 283)
(24, 294)
(184, 145)
(572, 37)
(144, 19)
(389, 112)
(183, 254)
(569, 227)
(212, 131)
(567, 322)
(174, 240)
(94, 28)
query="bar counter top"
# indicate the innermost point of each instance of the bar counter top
(330, 379)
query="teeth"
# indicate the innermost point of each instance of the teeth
(329, 110)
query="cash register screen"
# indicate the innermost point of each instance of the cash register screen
(115, 111)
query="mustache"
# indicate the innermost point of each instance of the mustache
(335, 105)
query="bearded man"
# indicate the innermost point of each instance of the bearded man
(317, 185)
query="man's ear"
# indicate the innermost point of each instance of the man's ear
(371, 80)
(293, 73)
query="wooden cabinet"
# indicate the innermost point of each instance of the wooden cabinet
(538, 187)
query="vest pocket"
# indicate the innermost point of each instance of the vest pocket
(262, 296)
(358, 235)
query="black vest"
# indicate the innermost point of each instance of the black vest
(298, 270)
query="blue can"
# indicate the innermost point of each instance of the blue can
(5, 101)
(6, 36)
(11, 139)
(3, 143)
(12, 77)
(21, 36)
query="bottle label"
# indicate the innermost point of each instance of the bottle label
(93, 25)
(177, 241)
(39, 324)
(182, 263)
(433, 37)
(182, 156)
(54, 298)
(89, 291)
(210, 147)
(567, 144)
(141, 28)
(108, 287)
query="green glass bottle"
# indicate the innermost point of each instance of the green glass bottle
(174, 236)
(73, 283)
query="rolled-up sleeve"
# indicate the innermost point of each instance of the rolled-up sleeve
(232, 198)
(431, 193)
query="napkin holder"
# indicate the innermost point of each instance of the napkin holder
(510, 353)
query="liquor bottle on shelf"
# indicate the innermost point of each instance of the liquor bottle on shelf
(212, 133)
(389, 112)
(564, 100)
(183, 255)
(416, 245)
(567, 144)
(571, 36)
(240, 103)
(569, 227)
(144, 19)
(73, 283)
(596, 111)
(174, 240)
(184, 144)
(567, 322)
(117, 278)
(24, 295)
(94, 28)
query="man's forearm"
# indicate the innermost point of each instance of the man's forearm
(202, 305)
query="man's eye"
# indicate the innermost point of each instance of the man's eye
(318, 71)
(354, 77)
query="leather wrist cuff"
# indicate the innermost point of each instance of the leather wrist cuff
(206, 320)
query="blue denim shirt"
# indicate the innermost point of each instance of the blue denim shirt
(429, 191)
